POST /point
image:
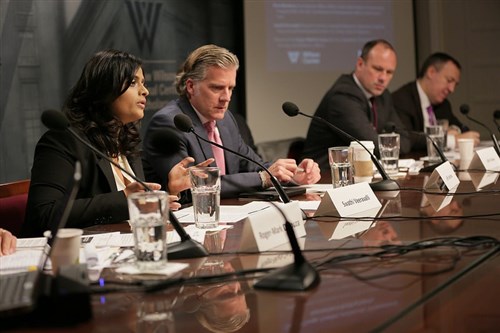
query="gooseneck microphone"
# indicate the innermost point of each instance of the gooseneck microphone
(464, 109)
(187, 247)
(496, 115)
(298, 276)
(391, 127)
(386, 184)
(183, 123)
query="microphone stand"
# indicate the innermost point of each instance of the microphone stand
(187, 247)
(386, 184)
(297, 276)
(431, 168)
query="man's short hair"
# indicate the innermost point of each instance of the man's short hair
(196, 65)
(371, 44)
(437, 60)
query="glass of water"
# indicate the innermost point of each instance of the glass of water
(205, 192)
(148, 213)
(342, 173)
(388, 146)
(436, 133)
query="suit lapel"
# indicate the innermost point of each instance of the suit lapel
(136, 165)
(105, 167)
(416, 101)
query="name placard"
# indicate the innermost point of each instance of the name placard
(483, 179)
(343, 228)
(439, 201)
(349, 201)
(264, 230)
(485, 159)
(443, 178)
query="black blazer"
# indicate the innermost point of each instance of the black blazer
(407, 103)
(345, 106)
(97, 201)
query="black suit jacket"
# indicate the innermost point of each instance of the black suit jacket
(346, 107)
(97, 201)
(407, 103)
(241, 175)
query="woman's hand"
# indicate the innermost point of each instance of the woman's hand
(178, 177)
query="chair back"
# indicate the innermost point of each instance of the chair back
(13, 200)
(286, 148)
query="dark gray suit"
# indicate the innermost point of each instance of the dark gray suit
(241, 175)
(407, 104)
(97, 201)
(346, 107)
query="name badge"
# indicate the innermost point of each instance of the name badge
(443, 178)
(264, 230)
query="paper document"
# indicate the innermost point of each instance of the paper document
(228, 213)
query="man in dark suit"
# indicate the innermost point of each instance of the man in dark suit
(358, 103)
(205, 83)
(422, 102)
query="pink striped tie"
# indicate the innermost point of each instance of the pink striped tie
(213, 135)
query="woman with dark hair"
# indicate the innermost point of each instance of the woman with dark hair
(104, 107)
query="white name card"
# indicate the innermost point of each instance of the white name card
(348, 201)
(485, 159)
(264, 230)
(483, 179)
(439, 201)
(443, 178)
(343, 228)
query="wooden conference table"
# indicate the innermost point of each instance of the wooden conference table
(444, 289)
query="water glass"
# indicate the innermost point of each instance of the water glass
(340, 166)
(149, 217)
(205, 192)
(388, 146)
(436, 133)
(445, 124)
(155, 315)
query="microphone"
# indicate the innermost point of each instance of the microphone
(391, 127)
(183, 123)
(464, 109)
(298, 276)
(496, 115)
(187, 247)
(386, 184)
